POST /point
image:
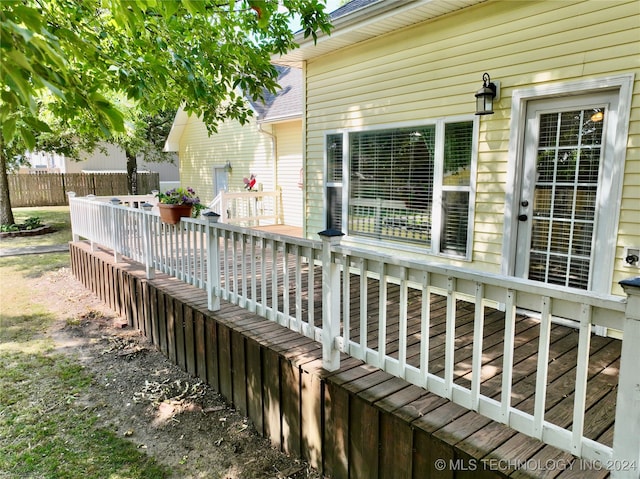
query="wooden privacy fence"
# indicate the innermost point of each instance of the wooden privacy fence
(50, 189)
(382, 310)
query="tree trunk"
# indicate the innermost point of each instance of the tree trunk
(132, 173)
(6, 215)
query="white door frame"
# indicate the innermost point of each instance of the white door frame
(624, 85)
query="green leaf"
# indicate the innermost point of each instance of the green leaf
(194, 7)
(25, 33)
(115, 118)
(29, 16)
(28, 138)
(170, 7)
(37, 125)
(9, 129)
(18, 83)
(54, 89)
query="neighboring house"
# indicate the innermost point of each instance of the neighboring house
(545, 188)
(269, 146)
(107, 159)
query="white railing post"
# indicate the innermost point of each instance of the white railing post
(224, 206)
(115, 228)
(626, 438)
(147, 244)
(213, 262)
(74, 217)
(330, 301)
(91, 223)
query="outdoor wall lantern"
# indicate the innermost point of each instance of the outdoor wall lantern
(485, 97)
(227, 167)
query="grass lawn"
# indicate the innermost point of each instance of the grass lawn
(45, 431)
(54, 216)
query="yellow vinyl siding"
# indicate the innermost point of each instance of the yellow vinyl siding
(249, 151)
(244, 147)
(432, 70)
(289, 151)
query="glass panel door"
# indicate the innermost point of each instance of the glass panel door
(564, 155)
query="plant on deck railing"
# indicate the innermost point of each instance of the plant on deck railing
(182, 196)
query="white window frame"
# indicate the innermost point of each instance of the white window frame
(436, 214)
(331, 183)
(608, 225)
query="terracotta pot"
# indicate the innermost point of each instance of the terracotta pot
(171, 214)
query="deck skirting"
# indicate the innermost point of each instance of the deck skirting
(357, 422)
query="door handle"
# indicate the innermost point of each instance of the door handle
(523, 218)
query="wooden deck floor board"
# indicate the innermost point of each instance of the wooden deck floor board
(386, 388)
(514, 451)
(525, 362)
(400, 398)
(482, 442)
(420, 406)
(357, 386)
(439, 417)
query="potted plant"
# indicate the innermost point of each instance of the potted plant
(177, 203)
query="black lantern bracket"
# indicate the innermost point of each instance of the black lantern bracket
(487, 95)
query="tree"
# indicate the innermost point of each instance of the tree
(144, 134)
(46, 132)
(158, 54)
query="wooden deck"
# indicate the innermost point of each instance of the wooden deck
(284, 230)
(360, 421)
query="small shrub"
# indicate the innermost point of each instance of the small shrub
(32, 223)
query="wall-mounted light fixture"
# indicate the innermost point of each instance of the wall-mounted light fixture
(598, 115)
(485, 97)
(227, 167)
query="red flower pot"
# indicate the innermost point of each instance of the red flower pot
(171, 214)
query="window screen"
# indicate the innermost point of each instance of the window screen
(334, 182)
(456, 187)
(391, 184)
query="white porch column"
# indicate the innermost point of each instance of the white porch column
(626, 438)
(330, 301)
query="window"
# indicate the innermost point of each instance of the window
(410, 185)
(334, 182)
(391, 184)
(456, 187)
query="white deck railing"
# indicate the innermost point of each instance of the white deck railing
(250, 208)
(277, 277)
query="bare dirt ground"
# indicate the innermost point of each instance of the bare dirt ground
(140, 395)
